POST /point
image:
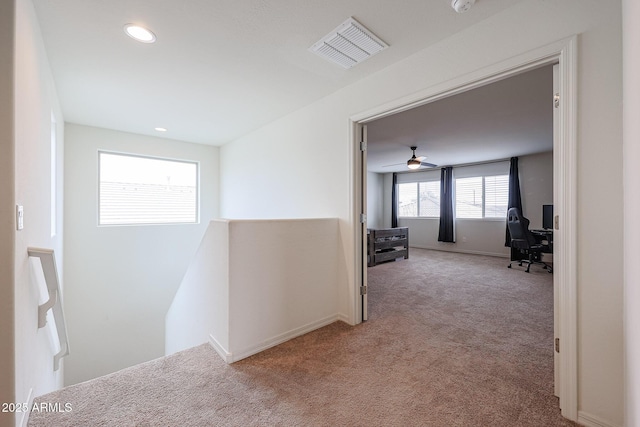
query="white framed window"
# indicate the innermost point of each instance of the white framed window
(419, 199)
(136, 190)
(482, 196)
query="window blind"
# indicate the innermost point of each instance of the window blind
(419, 199)
(145, 190)
(408, 199)
(482, 196)
(469, 198)
(429, 199)
(496, 196)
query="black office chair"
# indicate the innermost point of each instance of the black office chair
(523, 240)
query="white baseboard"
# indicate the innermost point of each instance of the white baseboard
(461, 251)
(230, 357)
(589, 420)
(226, 355)
(548, 258)
(344, 318)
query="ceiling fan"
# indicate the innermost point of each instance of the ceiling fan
(415, 162)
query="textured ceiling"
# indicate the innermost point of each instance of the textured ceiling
(220, 69)
(512, 117)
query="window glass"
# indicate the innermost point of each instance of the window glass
(482, 196)
(146, 190)
(419, 199)
(429, 199)
(475, 197)
(469, 197)
(496, 194)
(408, 199)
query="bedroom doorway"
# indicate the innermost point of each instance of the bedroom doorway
(564, 165)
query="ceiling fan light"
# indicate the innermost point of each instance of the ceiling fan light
(413, 163)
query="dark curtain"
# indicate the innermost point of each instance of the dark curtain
(515, 201)
(447, 225)
(394, 201)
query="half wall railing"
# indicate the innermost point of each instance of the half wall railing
(54, 303)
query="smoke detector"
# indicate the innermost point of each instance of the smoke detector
(349, 44)
(462, 6)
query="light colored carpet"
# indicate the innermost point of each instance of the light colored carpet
(452, 340)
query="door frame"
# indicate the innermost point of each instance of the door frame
(564, 53)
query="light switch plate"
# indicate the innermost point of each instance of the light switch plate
(20, 217)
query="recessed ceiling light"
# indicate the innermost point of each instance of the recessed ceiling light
(139, 33)
(161, 129)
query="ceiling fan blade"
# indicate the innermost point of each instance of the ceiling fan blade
(397, 164)
(428, 165)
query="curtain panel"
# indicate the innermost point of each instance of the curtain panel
(394, 201)
(515, 200)
(447, 215)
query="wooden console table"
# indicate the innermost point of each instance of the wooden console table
(387, 244)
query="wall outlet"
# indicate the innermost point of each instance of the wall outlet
(464, 239)
(20, 217)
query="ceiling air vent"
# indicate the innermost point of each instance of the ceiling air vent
(349, 44)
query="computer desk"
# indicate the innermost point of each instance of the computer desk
(545, 238)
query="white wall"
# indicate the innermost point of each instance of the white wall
(280, 186)
(35, 102)
(254, 284)
(120, 280)
(536, 185)
(375, 200)
(291, 287)
(7, 208)
(631, 127)
(387, 182)
(200, 308)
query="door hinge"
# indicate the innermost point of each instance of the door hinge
(363, 290)
(557, 345)
(556, 222)
(556, 100)
(363, 145)
(363, 218)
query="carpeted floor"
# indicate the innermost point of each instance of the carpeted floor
(452, 340)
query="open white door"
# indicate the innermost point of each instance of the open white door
(362, 132)
(564, 194)
(556, 284)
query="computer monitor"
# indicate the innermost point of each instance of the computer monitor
(547, 217)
